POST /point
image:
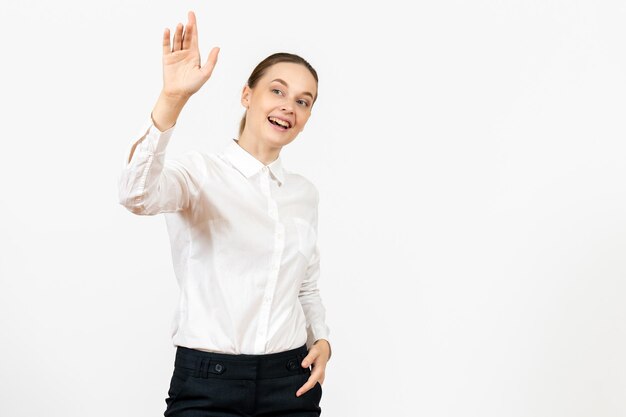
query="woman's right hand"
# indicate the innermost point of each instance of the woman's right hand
(182, 74)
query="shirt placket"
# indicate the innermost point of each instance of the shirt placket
(279, 243)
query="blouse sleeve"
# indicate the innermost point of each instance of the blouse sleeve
(149, 183)
(311, 300)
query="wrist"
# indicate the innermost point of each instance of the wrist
(167, 109)
(175, 97)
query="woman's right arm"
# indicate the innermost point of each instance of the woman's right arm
(150, 184)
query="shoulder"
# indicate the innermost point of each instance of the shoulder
(302, 183)
(199, 161)
(206, 157)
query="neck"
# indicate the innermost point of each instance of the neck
(260, 150)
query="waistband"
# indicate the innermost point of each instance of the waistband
(243, 366)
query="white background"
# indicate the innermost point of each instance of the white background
(470, 158)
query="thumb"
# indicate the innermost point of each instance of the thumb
(307, 361)
(211, 60)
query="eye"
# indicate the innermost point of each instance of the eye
(303, 103)
(276, 91)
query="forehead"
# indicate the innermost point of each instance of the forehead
(297, 76)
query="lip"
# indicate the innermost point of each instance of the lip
(283, 119)
(279, 129)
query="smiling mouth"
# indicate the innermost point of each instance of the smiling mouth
(282, 124)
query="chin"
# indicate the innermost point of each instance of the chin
(281, 143)
(275, 140)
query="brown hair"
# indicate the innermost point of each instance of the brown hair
(262, 67)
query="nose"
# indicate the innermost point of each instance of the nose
(286, 107)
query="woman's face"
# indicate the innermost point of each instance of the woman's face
(279, 106)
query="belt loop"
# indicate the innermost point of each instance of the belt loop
(206, 362)
(302, 356)
(202, 367)
(197, 367)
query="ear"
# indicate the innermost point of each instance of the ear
(245, 96)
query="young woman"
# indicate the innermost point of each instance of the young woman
(250, 326)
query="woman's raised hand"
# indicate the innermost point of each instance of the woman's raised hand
(182, 73)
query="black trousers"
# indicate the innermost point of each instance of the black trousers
(206, 384)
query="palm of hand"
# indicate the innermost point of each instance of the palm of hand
(182, 73)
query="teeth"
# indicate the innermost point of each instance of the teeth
(280, 122)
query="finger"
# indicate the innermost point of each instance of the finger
(320, 374)
(190, 38)
(317, 375)
(211, 60)
(309, 359)
(167, 47)
(178, 37)
(310, 383)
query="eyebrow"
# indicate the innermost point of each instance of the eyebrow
(306, 93)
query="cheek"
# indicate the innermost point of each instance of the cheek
(259, 113)
(303, 117)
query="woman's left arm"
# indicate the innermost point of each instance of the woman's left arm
(315, 313)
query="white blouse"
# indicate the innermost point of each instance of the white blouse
(244, 245)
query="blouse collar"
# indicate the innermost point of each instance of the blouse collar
(248, 165)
